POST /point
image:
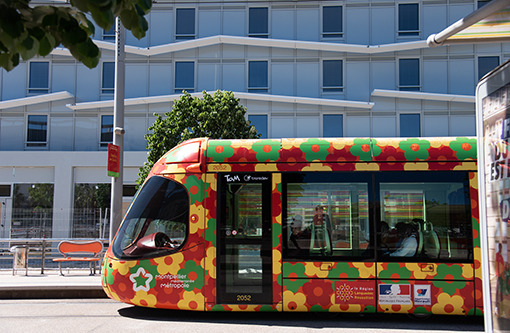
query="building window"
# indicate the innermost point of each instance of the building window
(332, 125)
(482, 3)
(332, 23)
(108, 86)
(410, 125)
(408, 19)
(5, 190)
(106, 130)
(37, 130)
(486, 64)
(260, 123)
(39, 77)
(257, 76)
(332, 76)
(258, 23)
(184, 76)
(409, 74)
(185, 24)
(109, 35)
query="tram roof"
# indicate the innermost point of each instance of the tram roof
(202, 151)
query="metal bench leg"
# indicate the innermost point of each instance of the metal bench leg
(60, 268)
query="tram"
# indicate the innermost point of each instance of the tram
(362, 225)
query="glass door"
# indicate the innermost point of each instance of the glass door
(244, 235)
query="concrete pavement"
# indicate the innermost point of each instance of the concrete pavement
(76, 283)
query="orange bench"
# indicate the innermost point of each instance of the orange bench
(88, 251)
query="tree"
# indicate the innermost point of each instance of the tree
(218, 116)
(27, 31)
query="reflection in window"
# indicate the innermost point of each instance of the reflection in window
(486, 64)
(39, 77)
(91, 210)
(332, 26)
(258, 26)
(106, 130)
(332, 126)
(260, 123)
(109, 35)
(257, 76)
(426, 220)
(108, 83)
(184, 76)
(409, 74)
(32, 212)
(327, 219)
(157, 222)
(185, 24)
(408, 19)
(332, 76)
(410, 125)
(37, 130)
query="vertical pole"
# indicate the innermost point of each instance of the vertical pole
(118, 129)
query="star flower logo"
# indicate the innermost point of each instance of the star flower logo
(141, 280)
(344, 293)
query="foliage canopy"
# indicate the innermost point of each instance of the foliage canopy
(27, 31)
(218, 116)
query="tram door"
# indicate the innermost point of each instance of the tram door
(244, 237)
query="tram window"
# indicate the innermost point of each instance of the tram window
(157, 222)
(425, 220)
(326, 218)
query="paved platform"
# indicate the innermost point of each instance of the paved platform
(76, 283)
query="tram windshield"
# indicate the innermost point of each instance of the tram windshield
(157, 222)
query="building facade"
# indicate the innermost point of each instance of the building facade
(350, 68)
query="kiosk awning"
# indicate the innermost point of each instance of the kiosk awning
(489, 24)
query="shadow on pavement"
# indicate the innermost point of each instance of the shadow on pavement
(309, 320)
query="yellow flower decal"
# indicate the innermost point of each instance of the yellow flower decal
(277, 262)
(447, 304)
(367, 166)
(191, 301)
(210, 258)
(465, 166)
(315, 271)
(317, 167)
(294, 302)
(419, 272)
(123, 267)
(416, 166)
(261, 167)
(170, 264)
(365, 271)
(467, 272)
(144, 299)
(196, 218)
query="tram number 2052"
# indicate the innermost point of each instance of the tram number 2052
(244, 298)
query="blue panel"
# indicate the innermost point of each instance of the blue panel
(332, 73)
(258, 20)
(160, 79)
(383, 75)
(357, 126)
(234, 77)
(464, 125)
(136, 80)
(282, 79)
(434, 19)
(207, 77)
(136, 128)
(384, 127)
(185, 21)
(435, 74)
(487, 64)
(308, 79)
(108, 81)
(435, 126)
(357, 85)
(257, 74)
(14, 82)
(462, 77)
(86, 134)
(161, 27)
(61, 133)
(383, 25)
(209, 23)
(88, 83)
(358, 18)
(11, 133)
(39, 76)
(63, 77)
(234, 23)
(332, 24)
(282, 24)
(308, 27)
(185, 75)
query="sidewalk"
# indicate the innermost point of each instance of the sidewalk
(76, 283)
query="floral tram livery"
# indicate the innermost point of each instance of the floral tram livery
(333, 225)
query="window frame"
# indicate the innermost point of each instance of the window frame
(331, 35)
(258, 34)
(324, 122)
(38, 90)
(411, 33)
(409, 87)
(185, 35)
(267, 124)
(257, 89)
(178, 90)
(36, 144)
(327, 89)
(109, 35)
(107, 90)
(485, 57)
(400, 123)
(104, 143)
